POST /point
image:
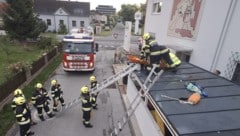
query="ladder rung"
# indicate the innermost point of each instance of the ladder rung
(119, 126)
(124, 120)
(115, 131)
(149, 80)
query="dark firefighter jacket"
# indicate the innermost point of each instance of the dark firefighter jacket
(39, 98)
(22, 115)
(56, 91)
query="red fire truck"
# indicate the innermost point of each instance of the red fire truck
(79, 51)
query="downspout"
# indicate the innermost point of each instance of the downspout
(68, 23)
(55, 22)
(223, 34)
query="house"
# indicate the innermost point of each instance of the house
(70, 13)
(97, 17)
(202, 32)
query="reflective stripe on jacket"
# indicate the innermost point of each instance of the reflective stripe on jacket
(22, 115)
(146, 49)
(176, 61)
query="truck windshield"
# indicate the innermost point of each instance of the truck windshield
(76, 48)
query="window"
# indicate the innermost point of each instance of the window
(157, 7)
(82, 23)
(61, 22)
(74, 24)
(49, 22)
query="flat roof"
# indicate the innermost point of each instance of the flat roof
(217, 114)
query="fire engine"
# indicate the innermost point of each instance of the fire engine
(79, 50)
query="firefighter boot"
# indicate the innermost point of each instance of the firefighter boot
(88, 125)
(51, 115)
(41, 118)
(55, 109)
(30, 133)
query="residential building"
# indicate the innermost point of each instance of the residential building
(204, 32)
(97, 17)
(106, 9)
(70, 13)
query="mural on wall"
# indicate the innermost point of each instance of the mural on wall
(185, 18)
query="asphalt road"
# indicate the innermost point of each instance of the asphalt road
(110, 105)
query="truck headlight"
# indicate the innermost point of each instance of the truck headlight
(86, 58)
(69, 58)
(90, 64)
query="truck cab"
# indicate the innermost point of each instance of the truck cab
(79, 51)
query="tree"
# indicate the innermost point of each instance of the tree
(127, 12)
(62, 29)
(143, 11)
(20, 22)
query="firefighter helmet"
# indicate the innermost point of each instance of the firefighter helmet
(84, 90)
(39, 85)
(92, 78)
(54, 82)
(146, 36)
(20, 100)
(17, 92)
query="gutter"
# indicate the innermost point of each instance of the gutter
(223, 34)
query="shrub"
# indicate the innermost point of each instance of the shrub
(44, 42)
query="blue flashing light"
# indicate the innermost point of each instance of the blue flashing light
(87, 37)
(69, 37)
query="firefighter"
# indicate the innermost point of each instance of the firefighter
(40, 100)
(18, 93)
(93, 84)
(145, 51)
(86, 100)
(57, 94)
(158, 53)
(23, 116)
(176, 61)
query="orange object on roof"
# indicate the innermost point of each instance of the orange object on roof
(136, 59)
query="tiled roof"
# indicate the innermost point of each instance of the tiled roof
(49, 7)
(217, 114)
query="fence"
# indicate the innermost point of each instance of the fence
(20, 78)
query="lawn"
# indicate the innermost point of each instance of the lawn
(15, 53)
(6, 114)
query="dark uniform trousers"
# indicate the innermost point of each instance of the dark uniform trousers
(86, 108)
(23, 118)
(57, 95)
(94, 101)
(40, 101)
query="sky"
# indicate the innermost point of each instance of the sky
(115, 3)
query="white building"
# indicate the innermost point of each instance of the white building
(97, 17)
(204, 33)
(206, 30)
(71, 14)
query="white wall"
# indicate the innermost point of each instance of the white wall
(144, 117)
(78, 20)
(45, 17)
(210, 30)
(67, 21)
(231, 40)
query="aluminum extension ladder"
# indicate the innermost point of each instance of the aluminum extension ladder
(145, 87)
(107, 82)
